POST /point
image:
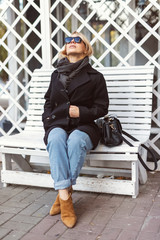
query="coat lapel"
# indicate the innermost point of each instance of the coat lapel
(59, 87)
(80, 79)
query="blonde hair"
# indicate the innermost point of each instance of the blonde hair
(89, 49)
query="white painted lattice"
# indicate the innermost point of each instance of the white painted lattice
(122, 32)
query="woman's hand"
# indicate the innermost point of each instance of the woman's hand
(73, 111)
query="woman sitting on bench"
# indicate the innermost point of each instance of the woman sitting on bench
(76, 97)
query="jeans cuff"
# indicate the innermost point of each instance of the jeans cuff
(62, 184)
(73, 181)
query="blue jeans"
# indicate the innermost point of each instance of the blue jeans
(67, 154)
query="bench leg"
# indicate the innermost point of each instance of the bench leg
(22, 162)
(142, 170)
(6, 164)
(135, 178)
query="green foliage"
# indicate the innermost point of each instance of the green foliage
(3, 51)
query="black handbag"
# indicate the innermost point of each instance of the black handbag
(110, 130)
(111, 135)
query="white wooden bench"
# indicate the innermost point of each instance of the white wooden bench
(113, 170)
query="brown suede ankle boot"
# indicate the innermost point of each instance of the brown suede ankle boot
(68, 216)
(55, 209)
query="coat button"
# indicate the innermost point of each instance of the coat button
(53, 116)
(68, 103)
(56, 104)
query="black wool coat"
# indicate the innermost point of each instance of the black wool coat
(87, 90)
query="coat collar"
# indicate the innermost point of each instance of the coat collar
(88, 69)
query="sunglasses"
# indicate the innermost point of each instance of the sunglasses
(76, 39)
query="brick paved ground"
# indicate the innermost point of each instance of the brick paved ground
(24, 214)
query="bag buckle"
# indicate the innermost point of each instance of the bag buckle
(111, 125)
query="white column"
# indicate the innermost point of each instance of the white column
(46, 34)
(107, 39)
(12, 65)
(132, 34)
(74, 21)
(59, 13)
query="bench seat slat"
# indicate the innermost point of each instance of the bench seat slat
(128, 69)
(35, 141)
(132, 95)
(127, 77)
(32, 128)
(113, 157)
(131, 108)
(135, 120)
(35, 112)
(132, 114)
(38, 90)
(37, 84)
(129, 89)
(129, 83)
(136, 127)
(34, 124)
(36, 107)
(129, 102)
(24, 140)
(37, 101)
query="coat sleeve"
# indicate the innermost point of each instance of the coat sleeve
(100, 103)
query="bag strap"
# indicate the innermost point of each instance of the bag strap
(124, 139)
(139, 157)
(153, 156)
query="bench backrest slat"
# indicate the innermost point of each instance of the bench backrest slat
(130, 94)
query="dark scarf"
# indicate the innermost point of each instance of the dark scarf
(67, 70)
